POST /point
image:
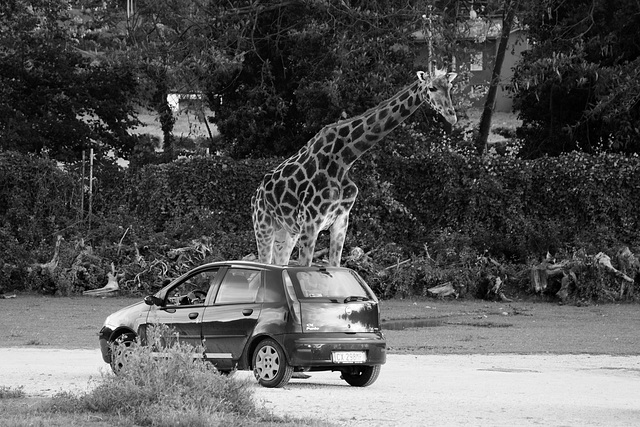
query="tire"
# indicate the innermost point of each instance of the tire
(121, 350)
(270, 365)
(363, 376)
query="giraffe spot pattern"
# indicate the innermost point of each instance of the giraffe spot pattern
(338, 145)
(313, 189)
(349, 155)
(289, 199)
(330, 137)
(332, 169)
(391, 123)
(404, 111)
(357, 132)
(310, 168)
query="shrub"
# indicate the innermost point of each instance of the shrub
(453, 204)
(11, 392)
(160, 390)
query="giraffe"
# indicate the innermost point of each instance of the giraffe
(311, 191)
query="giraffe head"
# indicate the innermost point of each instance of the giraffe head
(437, 92)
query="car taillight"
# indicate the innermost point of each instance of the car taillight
(292, 299)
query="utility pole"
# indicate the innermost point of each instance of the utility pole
(90, 185)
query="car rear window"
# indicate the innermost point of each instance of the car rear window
(327, 283)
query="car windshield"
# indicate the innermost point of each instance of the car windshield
(328, 283)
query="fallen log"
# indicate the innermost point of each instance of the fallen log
(110, 289)
(443, 290)
(566, 273)
(541, 273)
(492, 278)
(605, 261)
(50, 267)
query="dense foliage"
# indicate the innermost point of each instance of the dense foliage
(274, 73)
(36, 200)
(54, 100)
(577, 86)
(444, 215)
(295, 66)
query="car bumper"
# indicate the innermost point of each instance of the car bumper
(105, 348)
(315, 350)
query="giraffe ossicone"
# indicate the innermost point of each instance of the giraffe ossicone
(311, 191)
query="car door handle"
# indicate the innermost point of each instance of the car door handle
(193, 315)
(247, 311)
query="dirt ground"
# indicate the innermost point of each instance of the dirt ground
(468, 363)
(449, 327)
(480, 327)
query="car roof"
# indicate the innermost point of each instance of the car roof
(256, 264)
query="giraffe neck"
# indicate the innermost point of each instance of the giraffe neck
(351, 138)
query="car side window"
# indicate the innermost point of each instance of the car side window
(239, 286)
(193, 290)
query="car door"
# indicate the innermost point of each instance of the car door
(184, 305)
(228, 323)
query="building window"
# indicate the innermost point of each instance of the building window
(475, 61)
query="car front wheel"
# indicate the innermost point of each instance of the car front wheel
(270, 365)
(121, 350)
(362, 376)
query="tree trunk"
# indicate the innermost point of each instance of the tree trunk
(165, 115)
(487, 112)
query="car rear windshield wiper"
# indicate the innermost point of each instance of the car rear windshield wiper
(356, 298)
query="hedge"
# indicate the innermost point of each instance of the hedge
(444, 207)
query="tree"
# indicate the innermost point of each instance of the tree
(287, 68)
(169, 43)
(53, 99)
(508, 15)
(576, 88)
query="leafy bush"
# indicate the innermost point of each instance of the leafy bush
(37, 199)
(162, 390)
(11, 392)
(441, 208)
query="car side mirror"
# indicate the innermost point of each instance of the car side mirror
(153, 300)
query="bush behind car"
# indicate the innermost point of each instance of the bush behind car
(443, 208)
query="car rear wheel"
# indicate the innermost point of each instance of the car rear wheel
(270, 365)
(121, 351)
(362, 376)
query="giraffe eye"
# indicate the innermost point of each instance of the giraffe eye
(433, 89)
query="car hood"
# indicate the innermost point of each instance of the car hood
(129, 317)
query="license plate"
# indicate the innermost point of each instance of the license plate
(348, 357)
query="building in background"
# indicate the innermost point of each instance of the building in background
(478, 42)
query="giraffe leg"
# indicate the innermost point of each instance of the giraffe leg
(307, 246)
(283, 246)
(265, 243)
(338, 234)
(264, 230)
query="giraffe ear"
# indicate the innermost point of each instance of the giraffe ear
(451, 77)
(422, 76)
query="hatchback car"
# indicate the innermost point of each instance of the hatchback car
(274, 320)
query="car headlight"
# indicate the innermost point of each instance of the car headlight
(110, 323)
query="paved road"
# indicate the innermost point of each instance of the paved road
(448, 390)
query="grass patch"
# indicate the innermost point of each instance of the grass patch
(11, 392)
(172, 390)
